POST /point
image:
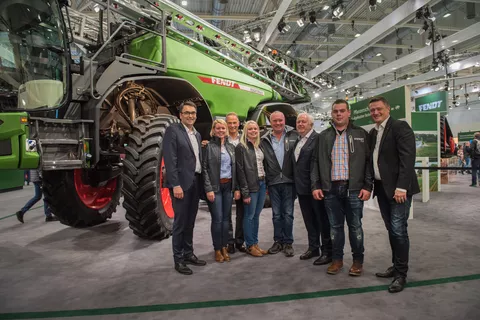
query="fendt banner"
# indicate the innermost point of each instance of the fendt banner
(434, 102)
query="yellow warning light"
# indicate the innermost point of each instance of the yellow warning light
(23, 119)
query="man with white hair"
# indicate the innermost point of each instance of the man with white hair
(313, 211)
(277, 147)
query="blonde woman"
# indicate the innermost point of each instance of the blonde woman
(251, 181)
(218, 169)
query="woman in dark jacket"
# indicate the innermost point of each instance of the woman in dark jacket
(218, 168)
(251, 180)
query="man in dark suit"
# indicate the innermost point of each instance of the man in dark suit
(313, 211)
(395, 183)
(182, 155)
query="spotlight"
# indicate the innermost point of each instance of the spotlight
(312, 17)
(283, 27)
(325, 7)
(372, 5)
(256, 33)
(184, 3)
(301, 21)
(246, 37)
(418, 15)
(423, 28)
(357, 35)
(96, 8)
(338, 10)
(446, 15)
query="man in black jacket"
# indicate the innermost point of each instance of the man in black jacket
(277, 148)
(475, 156)
(313, 211)
(183, 158)
(342, 174)
(393, 144)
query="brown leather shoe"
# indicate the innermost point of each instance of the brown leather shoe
(219, 256)
(335, 267)
(254, 252)
(263, 252)
(356, 269)
(225, 255)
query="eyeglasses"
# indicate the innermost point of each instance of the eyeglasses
(189, 113)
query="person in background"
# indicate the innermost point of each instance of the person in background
(251, 181)
(235, 242)
(183, 171)
(278, 149)
(475, 155)
(218, 169)
(313, 211)
(36, 179)
(26, 176)
(342, 174)
(461, 158)
(466, 155)
(393, 156)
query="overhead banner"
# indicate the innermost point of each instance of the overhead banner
(396, 99)
(434, 102)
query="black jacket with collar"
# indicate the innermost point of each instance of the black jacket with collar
(247, 171)
(211, 164)
(359, 163)
(179, 157)
(396, 157)
(302, 168)
(274, 173)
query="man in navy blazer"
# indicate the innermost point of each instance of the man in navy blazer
(313, 211)
(182, 154)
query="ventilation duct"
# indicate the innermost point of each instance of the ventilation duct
(218, 10)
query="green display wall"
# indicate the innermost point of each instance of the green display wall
(11, 179)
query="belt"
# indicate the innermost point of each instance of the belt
(261, 178)
(225, 180)
(340, 182)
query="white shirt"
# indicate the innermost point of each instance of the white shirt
(235, 141)
(301, 143)
(259, 156)
(196, 151)
(380, 129)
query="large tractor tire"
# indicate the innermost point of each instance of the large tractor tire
(148, 205)
(77, 204)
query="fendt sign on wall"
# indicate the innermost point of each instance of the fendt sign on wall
(434, 102)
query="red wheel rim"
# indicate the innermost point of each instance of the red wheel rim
(165, 195)
(94, 197)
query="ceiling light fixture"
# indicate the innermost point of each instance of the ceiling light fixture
(446, 15)
(312, 16)
(301, 20)
(256, 33)
(184, 3)
(357, 35)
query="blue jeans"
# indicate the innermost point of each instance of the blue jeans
(342, 203)
(282, 197)
(37, 197)
(252, 214)
(221, 211)
(395, 216)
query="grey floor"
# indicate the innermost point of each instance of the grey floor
(48, 267)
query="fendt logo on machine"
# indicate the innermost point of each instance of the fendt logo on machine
(230, 84)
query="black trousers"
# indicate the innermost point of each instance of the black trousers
(395, 216)
(317, 224)
(238, 239)
(184, 220)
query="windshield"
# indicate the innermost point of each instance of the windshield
(33, 64)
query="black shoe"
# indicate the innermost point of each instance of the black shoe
(231, 248)
(288, 250)
(387, 274)
(309, 254)
(20, 215)
(241, 248)
(397, 285)
(51, 218)
(193, 260)
(324, 259)
(183, 269)
(276, 248)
